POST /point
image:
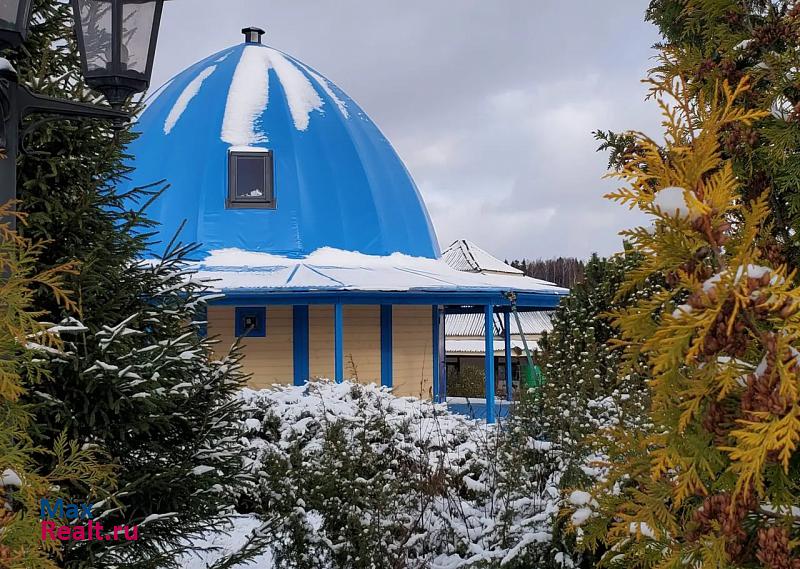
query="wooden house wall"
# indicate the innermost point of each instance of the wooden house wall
(270, 359)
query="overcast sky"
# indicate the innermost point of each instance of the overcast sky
(491, 104)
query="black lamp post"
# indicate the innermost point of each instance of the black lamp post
(14, 16)
(117, 43)
(117, 40)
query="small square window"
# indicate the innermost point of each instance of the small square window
(250, 179)
(251, 322)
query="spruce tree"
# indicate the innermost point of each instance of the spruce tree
(172, 421)
(136, 380)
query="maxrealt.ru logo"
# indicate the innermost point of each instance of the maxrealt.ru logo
(72, 530)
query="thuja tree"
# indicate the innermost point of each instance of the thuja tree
(134, 379)
(23, 338)
(714, 482)
(722, 40)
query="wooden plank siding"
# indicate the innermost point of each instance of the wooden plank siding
(412, 344)
(320, 342)
(270, 359)
(362, 343)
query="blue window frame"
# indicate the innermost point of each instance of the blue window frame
(251, 322)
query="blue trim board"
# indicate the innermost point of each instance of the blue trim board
(489, 363)
(386, 345)
(300, 329)
(507, 343)
(338, 341)
(258, 314)
(260, 297)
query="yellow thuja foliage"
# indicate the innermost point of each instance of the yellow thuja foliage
(23, 342)
(714, 479)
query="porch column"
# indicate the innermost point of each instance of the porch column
(338, 342)
(386, 345)
(489, 361)
(507, 340)
(300, 344)
(439, 393)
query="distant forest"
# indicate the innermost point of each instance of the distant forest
(564, 271)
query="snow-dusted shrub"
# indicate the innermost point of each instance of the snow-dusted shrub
(586, 389)
(352, 476)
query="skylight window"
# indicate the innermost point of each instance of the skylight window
(250, 179)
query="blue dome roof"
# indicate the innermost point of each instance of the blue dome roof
(338, 181)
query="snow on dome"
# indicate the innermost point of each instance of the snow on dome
(247, 99)
(185, 98)
(337, 180)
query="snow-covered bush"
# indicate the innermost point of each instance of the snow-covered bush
(586, 389)
(352, 476)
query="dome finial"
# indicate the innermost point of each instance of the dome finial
(253, 35)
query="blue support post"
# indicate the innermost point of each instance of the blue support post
(386, 345)
(437, 394)
(442, 356)
(489, 361)
(338, 343)
(507, 340)
(300, 344)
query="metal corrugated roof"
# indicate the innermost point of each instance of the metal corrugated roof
(463, 255)
(461, 346)
(330, 269)
(471, 325)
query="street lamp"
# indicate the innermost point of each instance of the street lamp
(14, 17)
(117, 42)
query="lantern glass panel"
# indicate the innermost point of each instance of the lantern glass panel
(137, 29)
(96, 27)
(9, 13)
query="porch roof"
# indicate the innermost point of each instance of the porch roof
(331, 275)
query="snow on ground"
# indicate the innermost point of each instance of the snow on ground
(220, 544)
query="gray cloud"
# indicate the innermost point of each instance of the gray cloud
(490, 104)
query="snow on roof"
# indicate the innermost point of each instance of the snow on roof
(463, 255)
(471, 325)
(334, 269)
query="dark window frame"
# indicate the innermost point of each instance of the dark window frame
(259, 313)
(267, 201)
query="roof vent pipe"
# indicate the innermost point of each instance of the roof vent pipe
(253, 35)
